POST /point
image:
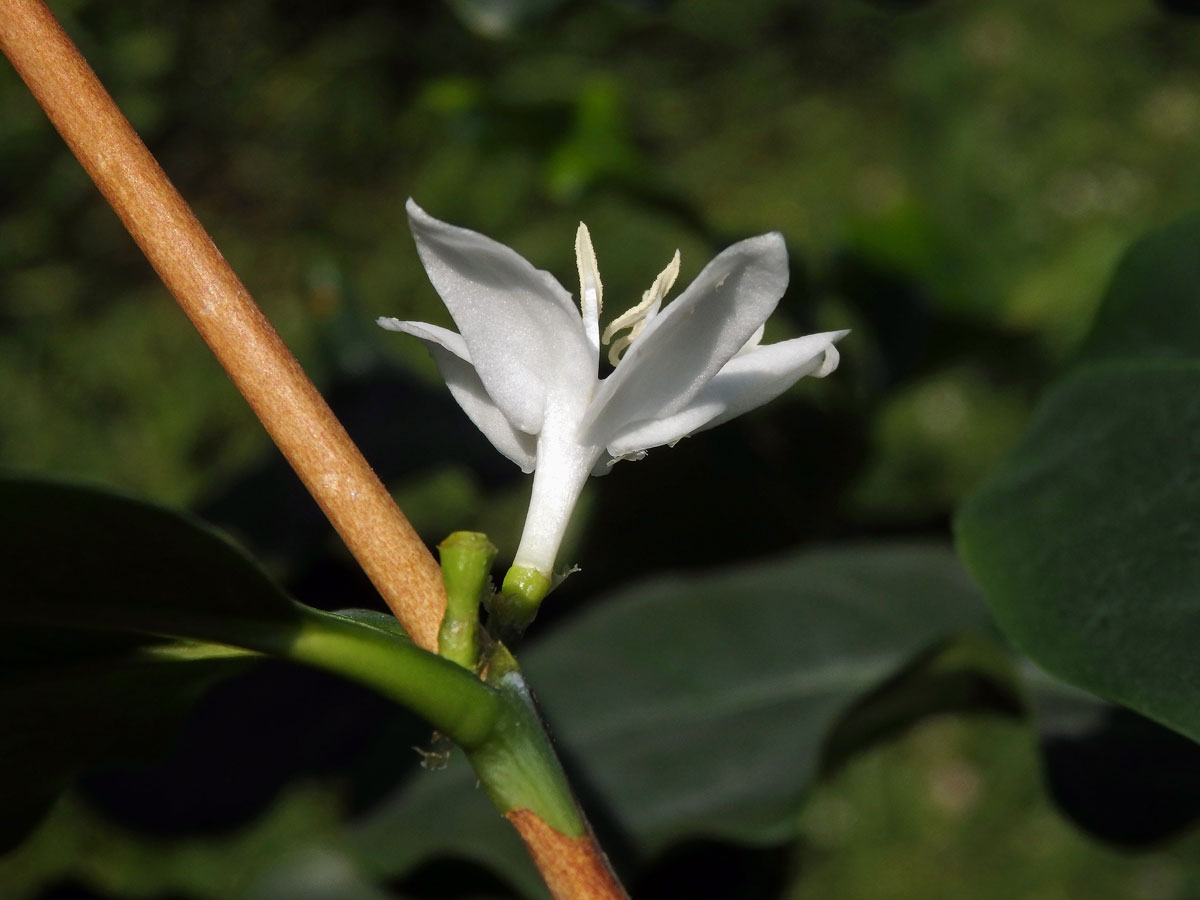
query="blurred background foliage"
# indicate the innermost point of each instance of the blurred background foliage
(955, 183)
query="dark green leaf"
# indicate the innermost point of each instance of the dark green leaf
(966, 676)
(90, 558)
(59, 718)
(1152, 307)
(1087, 538)
(115, 615)
(87, 578)
(700, 706)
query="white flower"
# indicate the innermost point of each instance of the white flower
(524, 366)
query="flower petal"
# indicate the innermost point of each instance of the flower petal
(524, 335)
(449, 351)
(748, 380)
(692, 338)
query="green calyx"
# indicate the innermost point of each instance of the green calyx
(517, 604)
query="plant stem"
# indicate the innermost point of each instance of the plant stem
(519, 770)
(447, 696)
(517, 765)
(466, 568)
(264, 371)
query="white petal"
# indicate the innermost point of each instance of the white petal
(563, 467)
(524, 335)
(749, 380)
(755, 340)
(449, 351)
(830, 363)
(692, 338)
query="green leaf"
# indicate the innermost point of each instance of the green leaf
(1085, 538)
(1087, 541)
(99, 560)
(116, 614)
(86, 579)
(116, 703)
(1151, 309)
(701, 705)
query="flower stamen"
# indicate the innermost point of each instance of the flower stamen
(637, 318)
(591, 291)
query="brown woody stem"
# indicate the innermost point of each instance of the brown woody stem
(262, 368)
(573, 868)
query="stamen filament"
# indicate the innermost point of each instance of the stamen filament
(591, 291)
(637, 318)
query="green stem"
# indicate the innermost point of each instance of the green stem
(360, 648)
(496, 723)
(451, 699)
(517, 765)
(467, 558)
